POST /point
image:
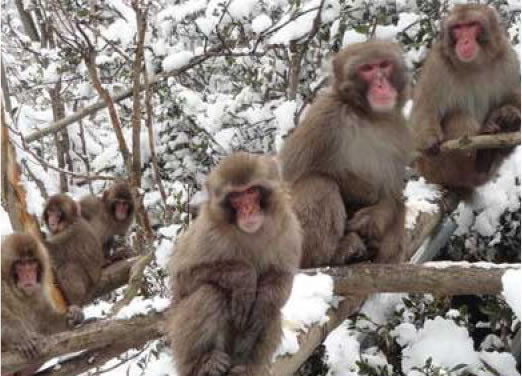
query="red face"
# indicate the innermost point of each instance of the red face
(54, 219)
(246, 203)
(121, 210)
(466, 46)
(381, 94)
(26, 274)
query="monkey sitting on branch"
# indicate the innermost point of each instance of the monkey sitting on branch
(29, 311)
(469, 85)
(233, 270)
(347, 159)
(110, 215)
(75, 250)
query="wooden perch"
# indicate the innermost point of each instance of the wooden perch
(359, 279)
(114, 276)
(439, 278)
(488, 141)
(122, 333)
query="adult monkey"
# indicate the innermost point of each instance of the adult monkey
(232, 271)
(346, 161)
(469, 84)
(28, 310)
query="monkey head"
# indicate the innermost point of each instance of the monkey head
(472, 35)
(25, 264)
(118, 201)
(60, 212)
(371, 76)
(243, 191)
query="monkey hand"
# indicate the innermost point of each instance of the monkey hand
(74, 316)
(243, 370)
(27, 344)
(214, 363)
(505, 118)
(430, 140)
(366, 223)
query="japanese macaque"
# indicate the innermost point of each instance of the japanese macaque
(233, 270)
(469, 85)
(110, 215)
(75, 250)
(346, 161)
(29, 312)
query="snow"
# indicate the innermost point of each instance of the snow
(492, 199)
(176, 60)
(511, 283)
(284, 115)
(261, 23)
(5, 223)
(309, 301)
(420, 197)
(437, 340)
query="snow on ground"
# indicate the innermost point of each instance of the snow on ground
(511, 282)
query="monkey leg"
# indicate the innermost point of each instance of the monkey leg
(258, 361)
(197, 329)
(320, 208)
(454, 169)
(391, 249)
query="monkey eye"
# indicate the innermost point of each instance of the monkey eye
(384, 64)
(366, 68)
(251, 190)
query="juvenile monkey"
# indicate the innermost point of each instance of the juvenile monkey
(469, 85)
(110, 215)
(28, 310)
(346, 160)
(233, 270)
(75, 250)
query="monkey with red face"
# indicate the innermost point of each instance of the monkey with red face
(232, 271)
(469, 85)
(346, 160)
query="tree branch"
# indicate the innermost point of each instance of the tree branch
(438, 278)
(489, 141)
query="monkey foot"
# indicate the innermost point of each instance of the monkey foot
(242, 370)
(215, 363)
(350, 248)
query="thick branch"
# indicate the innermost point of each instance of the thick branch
(440, 278)
(114, 276)
(452, 279)
(91, 336)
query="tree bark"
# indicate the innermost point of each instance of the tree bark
(489, 141)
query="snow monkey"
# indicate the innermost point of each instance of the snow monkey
(110, 215)
(346, 160)
(233, 270)
(75, 250)
(469, 85)
(28, 310)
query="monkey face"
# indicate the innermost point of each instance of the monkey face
(54, 219)
(121, 210)
(381, 94)
(27, 275)
(246, 205)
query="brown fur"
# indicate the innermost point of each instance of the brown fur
(75, 251)
(229, 285)
(28, 316)
(455, 99)
(346, 159)
(99, 212)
